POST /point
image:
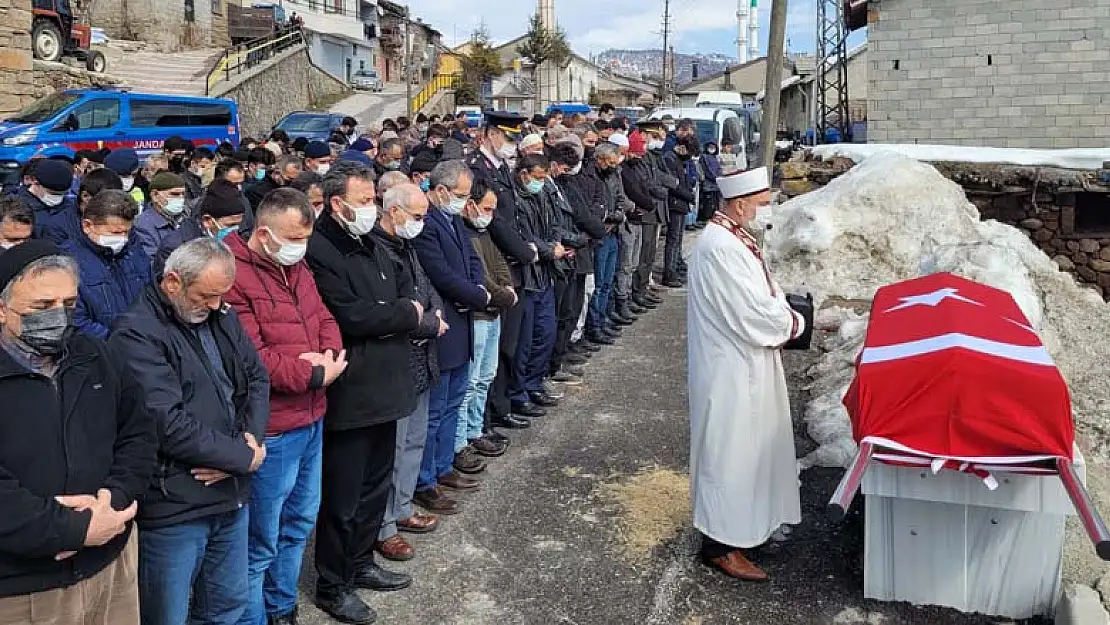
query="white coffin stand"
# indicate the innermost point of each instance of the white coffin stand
(946, 539)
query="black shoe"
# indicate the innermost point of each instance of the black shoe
(374, 577)
(543, 400)
(576, 370)
(620, 320)
(589, 346)
(637, 309)
(600, 338)
(347, 608)
(510, 422)
(613, 333)
(498, 437)
(575, 359)
(643, 303)
(673, 283)
(654, 299)
(284, 619)
(528, 409)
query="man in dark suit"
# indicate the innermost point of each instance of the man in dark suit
(455, 270)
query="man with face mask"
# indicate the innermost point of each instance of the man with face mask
(68, 547)
(404, 213)
(642, 285)
(209, 396)
(739, 318)
(681, 197)
(317, 157)
(17, 222)
(219, 214)
(282, 174)
(56, 215)
(455, 271)
(165, 214)
(375, 305)
(125, 162)
(114, 267)
(391, 156)
(298, 340)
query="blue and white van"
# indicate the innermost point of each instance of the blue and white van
(60, 124)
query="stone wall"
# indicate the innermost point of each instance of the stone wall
(51, 77)
(1018, 73)
(1066, 213)
(16, 77)
(162, 23)
(290, 82)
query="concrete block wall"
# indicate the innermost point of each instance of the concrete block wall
(161, 23)
(1004, 73)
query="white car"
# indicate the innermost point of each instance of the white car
(367, 79)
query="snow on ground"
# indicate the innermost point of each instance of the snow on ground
(892, 218)
(1065, 159)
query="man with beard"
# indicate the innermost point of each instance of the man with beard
(281, 175)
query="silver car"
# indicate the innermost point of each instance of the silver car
(367, 79)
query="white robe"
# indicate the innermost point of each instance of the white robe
(743, 469)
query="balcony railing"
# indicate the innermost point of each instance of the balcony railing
(434, 86)
(238, 59)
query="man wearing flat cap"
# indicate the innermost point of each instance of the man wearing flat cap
(317, 157)
(56, 216)
(743, 469)
(77, 451)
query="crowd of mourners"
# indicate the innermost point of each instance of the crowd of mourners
(209, 354)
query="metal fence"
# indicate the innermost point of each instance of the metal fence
(238, 59)
(433, 86)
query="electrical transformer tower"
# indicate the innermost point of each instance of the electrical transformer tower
(832, 70)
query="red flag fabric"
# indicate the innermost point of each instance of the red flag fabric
(952, 369)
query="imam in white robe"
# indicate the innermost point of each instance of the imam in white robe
(743, 469)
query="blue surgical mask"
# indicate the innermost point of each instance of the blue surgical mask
(425, 185)
(260, 174)
(225, 231)
(534, 186)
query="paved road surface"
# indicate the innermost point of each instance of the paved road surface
(370, 108)
(540, 544)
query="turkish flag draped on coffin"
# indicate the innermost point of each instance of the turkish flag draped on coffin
(951, 369)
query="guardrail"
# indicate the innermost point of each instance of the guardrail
(238, 59)
(433, 86)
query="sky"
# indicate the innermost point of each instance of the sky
(702, 26)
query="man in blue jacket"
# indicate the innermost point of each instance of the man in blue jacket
(114, 268)
(56, 216)
(455, 270)
(209, 396)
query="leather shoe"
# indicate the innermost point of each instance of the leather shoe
(488, 448)
(496, 437)
(529, 410)
(598, 338)
(575, 370)
(347, 608)
(510, 422)
(644, 304)
(434, 500)
(395, 548)
(374, 577)
(637, 309)
(284, 619)
(563, 376)
(457, 481)
(467, 461)
(543, 400)
(620, 320)
(735, 565)
(613, 332)
(575, 359)
(419, 523)
(673, 283)
(588, 346)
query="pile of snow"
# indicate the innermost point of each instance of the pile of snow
(891, 218)
(1092, 158)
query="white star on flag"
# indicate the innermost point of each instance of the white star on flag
(931, 299)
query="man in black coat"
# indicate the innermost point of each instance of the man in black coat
(678, 204)
(373, 299)
(76, 451)
(209, 397)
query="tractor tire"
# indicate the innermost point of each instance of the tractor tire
(95, 62)
(46, 41)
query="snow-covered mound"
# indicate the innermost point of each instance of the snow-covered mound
(1083, 158)
(891, 218)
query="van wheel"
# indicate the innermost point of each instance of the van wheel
(46, 41)
(95, 62)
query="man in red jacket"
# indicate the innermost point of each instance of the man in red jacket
(277, 302)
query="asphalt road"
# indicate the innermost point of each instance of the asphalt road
(370, 108)
(543, 542)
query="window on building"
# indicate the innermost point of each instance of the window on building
(217, 7)
(190, 12)
(97, 114)
(335, 6)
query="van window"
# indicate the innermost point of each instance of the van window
(162, 113)
(97, 114)
(707, 131)
(44, 109)
(733, 132)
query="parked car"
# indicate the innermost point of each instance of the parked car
(367, 79)
(60, 124)
(312, 125)
(721, 125)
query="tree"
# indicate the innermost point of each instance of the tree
(560, 54)
(480, 65)
(536, 48)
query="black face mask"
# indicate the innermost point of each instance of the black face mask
(606, 171)
(588, 152)
(177, 164)
(45, 331)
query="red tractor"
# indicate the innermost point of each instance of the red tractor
(54, 35)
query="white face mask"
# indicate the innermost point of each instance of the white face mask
(323, 169)
(114, 242)
(454, 205)
(482, 222)
(52, 199)
(6, 245)
(577, 169)
(507, 151)
(128, 182)
(655, 144)
(288, 254)
(365, 218)
(175, 206)
(410, 229)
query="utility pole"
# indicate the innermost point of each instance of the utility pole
(665, 88)
(408, 63)
(772, 91)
